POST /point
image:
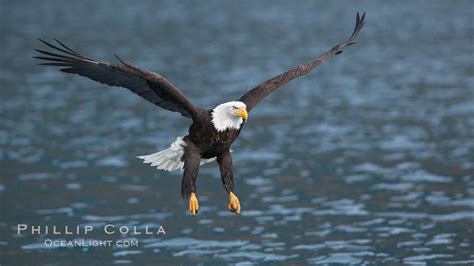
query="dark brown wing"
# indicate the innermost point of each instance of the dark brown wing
(252, 97)
(149, 85)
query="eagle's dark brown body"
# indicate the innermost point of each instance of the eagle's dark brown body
(210, 142)
(203, 140)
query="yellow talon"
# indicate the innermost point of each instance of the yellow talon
(193, 204)
(234, 204)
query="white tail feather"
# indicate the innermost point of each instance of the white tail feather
(170, 159)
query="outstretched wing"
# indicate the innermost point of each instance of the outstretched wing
(149, 85)
(252, 97)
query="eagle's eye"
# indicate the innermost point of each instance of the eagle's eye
(235, 107)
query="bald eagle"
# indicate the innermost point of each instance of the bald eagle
(212, 131)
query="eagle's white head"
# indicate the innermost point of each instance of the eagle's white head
(229, 115)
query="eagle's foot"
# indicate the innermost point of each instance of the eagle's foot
(193, 204)
(234, 204)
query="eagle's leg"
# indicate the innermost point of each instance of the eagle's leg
(225, 166)
(191, 160)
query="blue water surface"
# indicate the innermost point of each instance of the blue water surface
(366, 160)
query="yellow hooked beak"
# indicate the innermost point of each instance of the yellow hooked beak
(242, 112)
